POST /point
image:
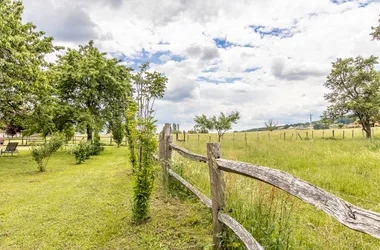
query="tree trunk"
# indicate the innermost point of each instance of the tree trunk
(367, 129)
(89, 133)
(219, 136)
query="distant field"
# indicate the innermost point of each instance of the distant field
(348, 168)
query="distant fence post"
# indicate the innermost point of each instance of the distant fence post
(217, 190)
(343, 134)
(209, 138)
(198, 139)
(184, 135)
(307, 135)
(333, 133)
(110, 140)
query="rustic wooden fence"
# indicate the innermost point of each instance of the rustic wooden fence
(352, 216)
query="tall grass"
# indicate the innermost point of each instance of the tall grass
(347, 168)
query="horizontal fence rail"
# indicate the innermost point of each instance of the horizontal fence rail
(352, 216)
(187, 154)
(346, 213)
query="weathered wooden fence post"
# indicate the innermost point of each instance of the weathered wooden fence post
(209, 138)
(333, 133)
(198, 139)
(307, 135)
(184, 136)
(217, 190)
(165, 152)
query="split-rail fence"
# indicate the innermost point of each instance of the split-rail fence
(352, 216)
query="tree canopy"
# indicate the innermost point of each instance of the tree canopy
(221, 124)
(92, 86)
(376, 32)
(355, 89)
(23, 77)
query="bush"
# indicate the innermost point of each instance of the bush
(41, 154)
(96, 146)
(84, 149)
(82, 152)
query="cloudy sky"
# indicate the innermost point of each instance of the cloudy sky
(263, 58)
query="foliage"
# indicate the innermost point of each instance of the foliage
(23, 82)
(12, 130)
(141, 137)
(376, 32)
(117, 128)
(271, 125)
(96, 146)
(320, 125)
(340, 125)
(42, 153)
(220, 124)
(82, 152)
(92, 85)
(355, 89)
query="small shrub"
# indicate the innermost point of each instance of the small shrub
(82, 152)
(96, 146)
(41, 154)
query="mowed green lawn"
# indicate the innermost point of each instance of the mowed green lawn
(88, 206)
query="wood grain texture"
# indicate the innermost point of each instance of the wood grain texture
(249, 242)
(204, 199)
(189, 155)
(346, 213)
(217, 186)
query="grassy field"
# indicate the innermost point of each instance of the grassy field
(88, 206)
(348, 168)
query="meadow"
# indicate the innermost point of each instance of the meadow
(88, 206)
(348, 168)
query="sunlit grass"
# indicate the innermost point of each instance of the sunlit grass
(348, 168)
(88, 206)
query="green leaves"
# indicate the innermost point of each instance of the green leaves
(93, 85)
(22, 51)
(355, 88)
(376, 32)
(221, 124)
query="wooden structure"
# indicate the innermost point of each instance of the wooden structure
(352, 216)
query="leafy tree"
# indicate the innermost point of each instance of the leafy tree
(41, 154)
(12, 130)
(271, 125)
(174, 128)
(141, 132)
(117, 129)
(221, 124)
(92, 85)
(376, 32)
(23, 80)
(355, 89)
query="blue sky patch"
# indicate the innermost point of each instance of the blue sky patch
(277, 32)
(144, 56)
(252, 69)
(232, 79)
(205, 79)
